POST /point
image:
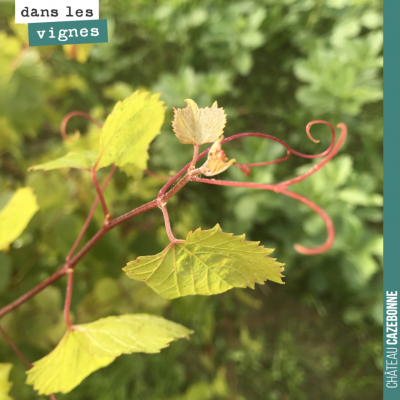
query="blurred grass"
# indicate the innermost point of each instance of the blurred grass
(273, 65)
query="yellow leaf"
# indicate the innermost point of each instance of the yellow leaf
(66, 366)
(14, 217)
(198, 125)
(129, 130)
(89, 347)
(5, 384)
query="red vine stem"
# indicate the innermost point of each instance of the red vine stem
(318, 166)
(262, 135)
(245, 168)
(100, 196)
(113, 223)
(145, 207)
(62, 271)
(161, 200)
(260, 164)
(171, 236)
(195, 154)
(15, 348)
(281, 188)
(72, 263)
(67, 305)
(330, 229)
(90, 215)
(154, 204)
(179, 174)
(288, 148)
(75, 114)
(16, 303)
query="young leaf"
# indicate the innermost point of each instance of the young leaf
(129, 129)
(5, 384)
(217, 161)
(198, 125)
(207, 262)
(91, 346)
(14, 217)
(84, 160)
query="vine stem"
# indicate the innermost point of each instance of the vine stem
(16, 303)
(171, 236)
(68, 297)
(281, 188)
(245, 168)
(195, 155)
(15, 348)
(154, 204)
(113, 223)
(100, 196)
(161, 200)
(175, 189)
(76, 114)
(262, 135)
(330, 229)
(318, 166)
(288, 148)
(90, 215)
(145, 207)
(74, 260)
(260, 164)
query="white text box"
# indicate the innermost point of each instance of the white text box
(31, 11)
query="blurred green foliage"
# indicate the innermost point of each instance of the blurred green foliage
(274, 65)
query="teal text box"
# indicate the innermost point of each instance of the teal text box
(68, 32)
(391, 209)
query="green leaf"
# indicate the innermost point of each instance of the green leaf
(198, 125)
(14, 217)
(5, 384)
(84, 160)
(207, 262)
(129, 129)
(91, 346)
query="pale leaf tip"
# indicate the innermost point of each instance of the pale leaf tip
(217, 161)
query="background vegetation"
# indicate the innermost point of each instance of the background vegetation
(273, 65)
